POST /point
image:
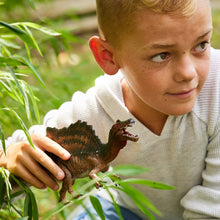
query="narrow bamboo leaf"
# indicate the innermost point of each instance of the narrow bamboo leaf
(27, 205)
(8, 187)
(139, 198)
(58, 208)
(129, 170)
(24, 128)
(97, 206)
(28, 51)
(116, 206)
(2, 140)
(16, 194)
(5, 86)
(33, 69)
(16, 81)
(34, 206)
(20, 184)
(4, 50)
(142, 208)
(34, 103)
(26, 102)
(20, 33)
(2, 191)
(41, 28)
(11, 92)
(10, 62)
(8, 44)
(149, 183)
(33, 40)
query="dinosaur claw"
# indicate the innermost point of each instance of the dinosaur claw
(98, 185)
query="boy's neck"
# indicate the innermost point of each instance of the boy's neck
(152, 119)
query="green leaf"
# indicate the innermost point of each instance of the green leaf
(8, 44)
(24, 128)
(10, 62)
(33, 69)
(33, 205)
(149, 183)
(16, 81)
(16, 194)
(2, 139)
(129, 170)
(20, 33)
(140, 200)
(5, 174)
(97, 206)
(32, 38)
(26, 102)
(34, 103)
(27, 206)
(116, 206)
(2, 191)
(41, 28)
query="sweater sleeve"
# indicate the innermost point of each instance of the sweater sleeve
(203, 202)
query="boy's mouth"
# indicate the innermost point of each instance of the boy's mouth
(183, 94)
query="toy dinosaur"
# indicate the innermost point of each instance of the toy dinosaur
(88, 154)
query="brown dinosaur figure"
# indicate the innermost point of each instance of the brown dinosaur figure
(88, 154)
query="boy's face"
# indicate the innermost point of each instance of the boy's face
(165, 61)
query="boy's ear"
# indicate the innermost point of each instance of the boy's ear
(103, 54)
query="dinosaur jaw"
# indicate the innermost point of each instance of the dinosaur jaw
(129, 136)
(122, 125)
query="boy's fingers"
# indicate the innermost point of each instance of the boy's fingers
(41, 157)
(40, 173)
(27, 176)
(49, 145)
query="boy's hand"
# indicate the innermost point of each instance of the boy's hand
(24, 161)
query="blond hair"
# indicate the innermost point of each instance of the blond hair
(116, 17)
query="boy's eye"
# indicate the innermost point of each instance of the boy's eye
(201, 47)
(160, 57)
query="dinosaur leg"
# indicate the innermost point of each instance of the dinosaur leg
(67, 183)
(93, 174)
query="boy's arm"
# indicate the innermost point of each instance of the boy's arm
(202, 201)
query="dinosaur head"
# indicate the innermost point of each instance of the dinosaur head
(118, 132)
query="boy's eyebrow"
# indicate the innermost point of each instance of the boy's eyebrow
(206, 33)
(165, 46)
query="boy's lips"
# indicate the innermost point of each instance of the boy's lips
(183, 94)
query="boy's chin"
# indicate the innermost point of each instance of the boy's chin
(179, 112)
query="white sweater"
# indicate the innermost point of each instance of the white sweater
(186, 154)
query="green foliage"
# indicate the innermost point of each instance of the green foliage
(8, 208)
(84, 188)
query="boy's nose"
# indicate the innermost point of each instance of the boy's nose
(185, 69)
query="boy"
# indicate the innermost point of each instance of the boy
(165, 75)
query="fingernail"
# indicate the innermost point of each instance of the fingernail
(56, 188)
(60, 175)
(67, 154)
